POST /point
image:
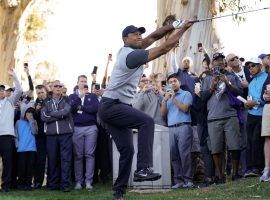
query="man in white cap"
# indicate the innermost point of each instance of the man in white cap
(255, 158)
(7, 132)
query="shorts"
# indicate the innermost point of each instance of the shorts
(266, 121)
(222, 129)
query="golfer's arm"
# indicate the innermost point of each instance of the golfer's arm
(167, 45)
(156, 35)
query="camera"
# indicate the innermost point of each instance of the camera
(216, 70)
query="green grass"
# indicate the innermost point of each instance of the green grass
(243, 189)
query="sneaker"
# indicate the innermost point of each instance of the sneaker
(246, 174)
(78, 186)
(88, 186)
(178, 185)
(251, 173)
(118, 195)
(188, 184)
(266, 176)
(146, 174)
(256, 172)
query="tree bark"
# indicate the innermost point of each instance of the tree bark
(9, 22)
(202, 32)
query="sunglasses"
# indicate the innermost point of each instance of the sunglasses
(58, 86)
(251, 66)
(234, 58)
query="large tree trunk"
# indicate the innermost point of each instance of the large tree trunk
(203, 32)
(9, 23)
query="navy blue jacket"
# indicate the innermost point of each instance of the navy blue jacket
(84, 114)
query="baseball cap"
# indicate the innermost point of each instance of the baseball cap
(7, 88)
(217, 55)
(132, 29)
(263, 55)
(253, 60)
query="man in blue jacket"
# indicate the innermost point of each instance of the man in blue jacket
(84, 107)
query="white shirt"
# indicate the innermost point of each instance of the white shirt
(241, 75)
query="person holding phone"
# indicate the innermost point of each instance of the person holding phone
(176, 106)
(115, 110)
(84, 107)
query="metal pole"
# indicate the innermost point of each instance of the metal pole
(211, 18)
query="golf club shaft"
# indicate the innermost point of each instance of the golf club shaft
(239, 13)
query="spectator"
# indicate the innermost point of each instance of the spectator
(244, 76)
(176, 105)
(265, 61)
(222, 117)
(8, 91)
(255, 161)
(41, 155)
(266, 129)
(56, 114)
(7, 131)
(149, 100)
(103, 157)
(84, 107)
(25, 129)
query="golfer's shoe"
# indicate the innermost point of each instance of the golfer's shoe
(146, 174)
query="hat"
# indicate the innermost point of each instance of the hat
(263, 55)
(7, 88)
(217, 55)
(132, 29)
(253, 60)
(2, 86)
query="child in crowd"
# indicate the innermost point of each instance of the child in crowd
(25, 129)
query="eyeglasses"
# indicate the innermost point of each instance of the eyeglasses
(58, 86)
(40, 93)
(234, 58)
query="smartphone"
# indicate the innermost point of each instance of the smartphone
(169, 88)
(95, 70)
(163, 83)
(97, 86)
(199, 46)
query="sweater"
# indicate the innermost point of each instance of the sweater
(7, 106)
(84, 113)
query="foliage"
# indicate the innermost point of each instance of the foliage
(235, 6)
(35, 22)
